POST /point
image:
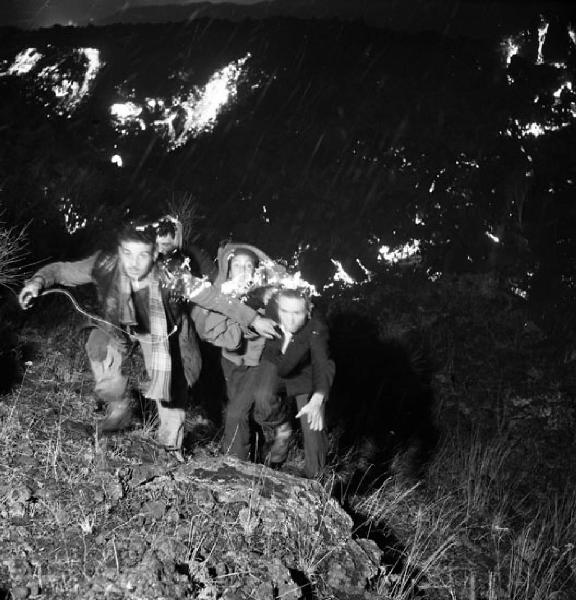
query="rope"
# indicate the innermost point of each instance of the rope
(93, 317)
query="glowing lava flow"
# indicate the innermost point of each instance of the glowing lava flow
(410, 250)
(185, 116)
(25, 61)
(199, 110)
(68, 78)
(562, 111)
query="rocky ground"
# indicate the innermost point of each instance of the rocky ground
(119, 518)
(494, 515)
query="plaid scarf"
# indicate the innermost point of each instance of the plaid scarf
(160, 369)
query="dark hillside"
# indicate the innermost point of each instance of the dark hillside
(327, 114)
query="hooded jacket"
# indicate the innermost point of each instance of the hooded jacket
(239, 345)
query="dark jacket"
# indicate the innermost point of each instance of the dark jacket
(102, 269)
(306, 366)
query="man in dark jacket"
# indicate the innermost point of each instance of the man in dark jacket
(298, 366)
(136, 306)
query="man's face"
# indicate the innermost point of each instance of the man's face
(136, 258)
(241, 269)
(166, 243)
(292, 313)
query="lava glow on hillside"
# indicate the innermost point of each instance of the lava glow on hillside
(184, 116)
(561, 108)
(63, 78)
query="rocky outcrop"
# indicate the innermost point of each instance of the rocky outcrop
(222, 528)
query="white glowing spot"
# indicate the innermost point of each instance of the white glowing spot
(24, 62)
(265, 215)
(519, 292)
(567, 85)
(365, 270)
(59, 78)
(117, 160)
(542, 31)
(295, 282)
(272, 276)
(510, 48)
(433, 275)
(197, 112)
(418, 220)
(539, 129)
(408, 251)
(126, 116)
(125, 111)
(431, 189)
(572, 35)
(468, 163)
(92, 56)
(341, 275)
(72, 220)
(295, 259)
(493, 237)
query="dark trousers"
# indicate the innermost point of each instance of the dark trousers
(259, 390)
(315, 442)
(248, 399)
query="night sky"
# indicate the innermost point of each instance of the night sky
(475, 18)
(44, 13)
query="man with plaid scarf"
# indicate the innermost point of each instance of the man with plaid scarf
(136, 306)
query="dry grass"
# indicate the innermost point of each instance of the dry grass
(469, 531)
(185, 208)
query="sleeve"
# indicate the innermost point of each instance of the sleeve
(217, 329)
(70, 274)
(323, 367)
(209, 297)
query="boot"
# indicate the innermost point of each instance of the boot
(279, 449)
(118, 417)
(170, 432)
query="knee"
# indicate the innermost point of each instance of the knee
(97, 345)
(236, 414)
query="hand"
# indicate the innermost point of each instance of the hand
(314, 410)
(31, 290)
(265, 327)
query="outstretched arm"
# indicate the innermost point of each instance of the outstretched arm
(69, 274)
(209, 297)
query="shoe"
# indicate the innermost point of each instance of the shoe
(279, 449)
(175, 454)
(118, 417)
